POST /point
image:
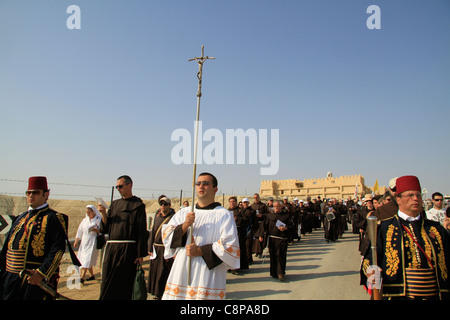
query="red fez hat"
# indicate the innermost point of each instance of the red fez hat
(37, 183)
(408, 183)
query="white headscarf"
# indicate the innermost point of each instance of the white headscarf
(93, 208)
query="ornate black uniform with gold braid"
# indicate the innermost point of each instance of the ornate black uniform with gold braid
(414, 258)
(36, 240)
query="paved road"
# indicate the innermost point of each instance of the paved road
(316, 270)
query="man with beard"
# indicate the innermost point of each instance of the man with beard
(159, 267)
(278, 225)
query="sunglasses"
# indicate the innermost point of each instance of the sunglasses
(205, 183)
(411, 195)
(438, 200)
(120, 186)
(34, 192)
(163, 204)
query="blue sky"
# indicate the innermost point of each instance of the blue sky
(85, 106)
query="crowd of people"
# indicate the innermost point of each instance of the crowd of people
(191, 250)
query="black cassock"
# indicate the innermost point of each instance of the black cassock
(127, 229)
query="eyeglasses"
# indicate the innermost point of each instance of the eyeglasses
(412, 195)
(120, 186)
(163, 203)
(34, 192)
(205, 183)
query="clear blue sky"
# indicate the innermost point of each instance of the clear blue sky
(85, 106)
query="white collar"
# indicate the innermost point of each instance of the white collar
(40, 207)
(404, 216)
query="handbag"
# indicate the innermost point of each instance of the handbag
(139, 286)
(101, 241)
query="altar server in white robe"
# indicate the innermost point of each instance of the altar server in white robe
(214, 248)
(85, 239)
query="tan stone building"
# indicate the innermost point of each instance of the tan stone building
(329, 187)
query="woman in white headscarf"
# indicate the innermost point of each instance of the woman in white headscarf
(86, 240)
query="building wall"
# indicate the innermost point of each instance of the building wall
(329, 187)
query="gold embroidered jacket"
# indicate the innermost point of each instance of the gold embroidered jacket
(397, 251)
(36, 240)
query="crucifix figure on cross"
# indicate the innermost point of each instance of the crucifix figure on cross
(200, 61)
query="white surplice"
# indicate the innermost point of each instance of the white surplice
(216, 227)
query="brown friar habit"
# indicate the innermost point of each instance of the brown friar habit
(241, 220)
(258, 232)
(252, 225)
(278, 242)
(127, 229)
(159, 267)
(386, 211)
(330, 227)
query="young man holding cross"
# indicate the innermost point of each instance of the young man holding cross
(214, 247)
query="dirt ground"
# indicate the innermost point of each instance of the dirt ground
(69, 284)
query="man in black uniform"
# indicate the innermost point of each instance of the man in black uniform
(412, 252)
(36, 242)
